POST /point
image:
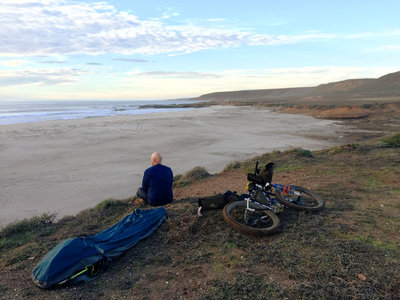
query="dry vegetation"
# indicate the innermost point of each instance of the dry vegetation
(350, 250)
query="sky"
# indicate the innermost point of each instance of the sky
(169, 49)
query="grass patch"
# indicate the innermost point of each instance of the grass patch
(392, 141)
(110, 210)
(111, 204)
(93, 220)
(244, 286)
(179, 181)
(390, 247)
(25, 252)
(233, 166)
(300, 152)
(343, 148)
(27, 224)
(288, 160)
(19, 233)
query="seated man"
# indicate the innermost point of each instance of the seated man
(157, 183)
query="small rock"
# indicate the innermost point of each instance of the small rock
(361, 277)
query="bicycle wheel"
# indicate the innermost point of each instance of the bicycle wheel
(303, 199)
(263, 221)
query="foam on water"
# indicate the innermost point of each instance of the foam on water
(35, 111)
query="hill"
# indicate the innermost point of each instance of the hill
(386, 87)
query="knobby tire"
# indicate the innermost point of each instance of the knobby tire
(247, 229)
(314, 202)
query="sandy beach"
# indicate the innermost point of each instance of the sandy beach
(67, 166)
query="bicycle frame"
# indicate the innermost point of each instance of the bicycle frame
(269, 206)
(283, 189)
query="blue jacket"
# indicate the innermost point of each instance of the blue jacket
(157, 183)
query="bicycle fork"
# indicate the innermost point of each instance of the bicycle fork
(251, 217)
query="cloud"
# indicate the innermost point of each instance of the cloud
(394, 33)
(53, 62)
(62, 27)
(303, 76)
(39, 77)
(385, 48)
(133, 60)
(13, 63)
(168, 74)
(166, 15)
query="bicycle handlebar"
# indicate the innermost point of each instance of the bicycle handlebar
(256, 170)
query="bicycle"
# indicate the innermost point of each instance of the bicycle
(256, 212)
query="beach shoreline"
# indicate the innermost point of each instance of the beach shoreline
(70, 165)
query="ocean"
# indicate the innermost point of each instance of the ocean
(16, 112)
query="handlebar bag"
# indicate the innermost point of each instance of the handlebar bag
(255, 178)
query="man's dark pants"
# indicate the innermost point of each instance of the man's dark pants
(142, 194)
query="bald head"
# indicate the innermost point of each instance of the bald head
(156, 158)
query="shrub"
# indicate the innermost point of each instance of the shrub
(108, 210)
(302, 152)
(108, 203)
(233, 166)
(181, 183)
(344, 148)
(392, 141)
(367, 105)
(177, 177)
(196, 173)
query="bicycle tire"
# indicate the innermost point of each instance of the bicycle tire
(272, 224)
(312, 202)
